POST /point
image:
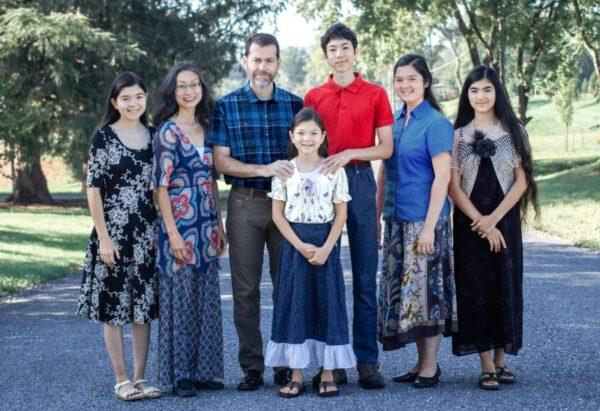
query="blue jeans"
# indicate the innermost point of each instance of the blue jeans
(362, 236)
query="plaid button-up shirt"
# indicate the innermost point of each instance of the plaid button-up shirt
(256, 131)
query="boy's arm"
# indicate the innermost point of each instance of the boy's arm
(381, 151)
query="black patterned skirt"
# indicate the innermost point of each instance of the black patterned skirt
(417, 295)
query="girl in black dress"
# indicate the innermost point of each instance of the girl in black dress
(120, 282)
(491, 185)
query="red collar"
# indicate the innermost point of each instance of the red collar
(352, 87)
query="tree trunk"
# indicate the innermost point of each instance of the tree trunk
(523, 102)
(30, 185)
(84, 173)
(467, 34)
(590, 46)
(522, 89)
(502, 58)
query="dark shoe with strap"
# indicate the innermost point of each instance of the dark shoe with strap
(339, 377)
(428, 382)
(252, 381)
(406, 377)
(297, 385)
(209, 385)
(505, 376)
(486, 378)
(184, 388)
(369, 376)
(325, 385)
(282, 376)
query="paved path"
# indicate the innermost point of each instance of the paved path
(51, 359)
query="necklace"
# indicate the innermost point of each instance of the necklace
(187, 124)
(133, 138)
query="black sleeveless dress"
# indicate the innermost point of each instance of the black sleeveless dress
(488, 284)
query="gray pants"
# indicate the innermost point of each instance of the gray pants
(249, 226)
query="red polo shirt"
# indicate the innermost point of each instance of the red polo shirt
(351, 114)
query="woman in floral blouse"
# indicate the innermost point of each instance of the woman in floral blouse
(120, 282)
(190, 236)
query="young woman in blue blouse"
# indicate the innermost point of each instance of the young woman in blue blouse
(417, 297)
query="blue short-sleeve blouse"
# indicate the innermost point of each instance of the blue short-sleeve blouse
(409, 172)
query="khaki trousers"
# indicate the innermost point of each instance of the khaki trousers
(249, 227)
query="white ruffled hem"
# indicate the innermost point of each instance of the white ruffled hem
(310, 352)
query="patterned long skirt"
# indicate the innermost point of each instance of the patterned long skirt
(417, 294)
(190, 341)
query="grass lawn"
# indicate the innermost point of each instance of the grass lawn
(570, 201)
(36, 246)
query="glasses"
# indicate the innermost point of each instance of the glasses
(184, 87)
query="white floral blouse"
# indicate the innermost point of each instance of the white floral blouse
(309, 197)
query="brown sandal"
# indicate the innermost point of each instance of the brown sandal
(505, 376)
(486, 378)
(291, 385)
(327, 384)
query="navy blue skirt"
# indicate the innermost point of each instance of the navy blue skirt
(310, 324)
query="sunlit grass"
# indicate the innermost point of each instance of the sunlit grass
(36, 246)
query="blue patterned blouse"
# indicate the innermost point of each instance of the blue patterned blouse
(187, 171)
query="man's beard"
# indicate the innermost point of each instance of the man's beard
(260, 82)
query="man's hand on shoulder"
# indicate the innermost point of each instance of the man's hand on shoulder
(282, 169)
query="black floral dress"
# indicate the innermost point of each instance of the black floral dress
(488, 284)
(127, 292)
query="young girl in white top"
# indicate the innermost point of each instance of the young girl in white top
(310, 325)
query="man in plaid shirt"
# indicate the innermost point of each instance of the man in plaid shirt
(249, 131)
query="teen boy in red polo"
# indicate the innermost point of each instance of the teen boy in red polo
(354, 112)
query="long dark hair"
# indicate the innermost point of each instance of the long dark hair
(165, 103)
(304, 115)
(127, 79)
(505, 113)
(420, 64)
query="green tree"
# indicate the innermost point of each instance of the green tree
(207, 31)
(50, 66)
(292, 74)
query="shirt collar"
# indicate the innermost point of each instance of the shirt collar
(418, 111)
(252, 97)
(352, 87)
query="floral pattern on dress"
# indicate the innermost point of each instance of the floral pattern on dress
(417, 294)
(127, 292)
(187, 172)
(310, 197)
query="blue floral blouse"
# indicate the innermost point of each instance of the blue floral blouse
(187, 171)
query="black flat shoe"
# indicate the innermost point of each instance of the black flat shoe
(184, 388)
(282, 376)
(406, 377)
(210, 385)
(251, 381)
(339, 377)
(428, 382)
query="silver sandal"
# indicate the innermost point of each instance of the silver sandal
(150, 391)
(131, 394)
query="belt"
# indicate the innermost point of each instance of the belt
(250, 192)
(355, 168)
